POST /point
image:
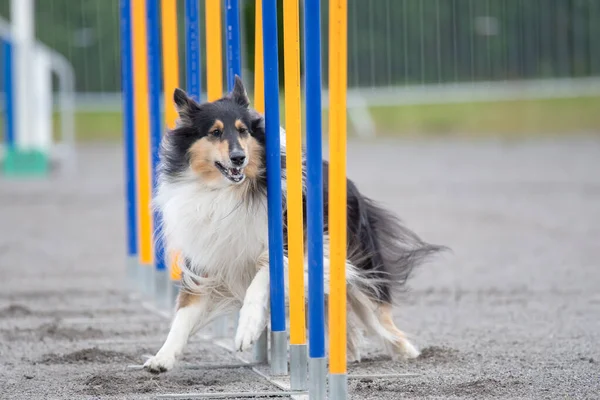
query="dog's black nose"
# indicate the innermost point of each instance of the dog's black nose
(237, 157)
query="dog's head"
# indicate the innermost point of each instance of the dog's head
(221, 142)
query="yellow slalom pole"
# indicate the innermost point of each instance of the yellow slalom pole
(142, 135)
(337, 193)
(171, 81)
(259, 66)
(170, 57)
(293, 118)
(214, 50)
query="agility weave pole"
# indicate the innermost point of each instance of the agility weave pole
(160, 278)
(128, 142)
(274, 202)
(143, 168)
(170, 69)
(338, 68)
(293, 128)
(314, 199)
(261, 352)
(141, 64)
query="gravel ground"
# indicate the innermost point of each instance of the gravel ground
(512, 312)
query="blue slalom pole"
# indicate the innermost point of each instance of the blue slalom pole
(273, 161)
(9, 122)
(154, 88)
(129, 137)
(192, 42)
(314, 187)
(234, 62)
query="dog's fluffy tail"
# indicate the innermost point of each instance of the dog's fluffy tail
(381, 247)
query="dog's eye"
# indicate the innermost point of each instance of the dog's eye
(242, 130)
(216, 132)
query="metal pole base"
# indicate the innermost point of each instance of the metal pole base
(140, 279)
(147, 280)
(132, 273)
(338, 387)
(318, 372)
(161, 295)
(298, 366)
(261, 349)
(279, 364)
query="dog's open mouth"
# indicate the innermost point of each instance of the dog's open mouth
(235, 175)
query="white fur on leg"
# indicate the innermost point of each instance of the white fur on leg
(184, 324)
(255, 310)
(354, 336)
(381, 325)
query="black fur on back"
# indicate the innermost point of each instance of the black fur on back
(378, 244)
(381, 247)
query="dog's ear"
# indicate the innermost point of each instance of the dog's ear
(257, 125)
(238, 94)
(184, 105)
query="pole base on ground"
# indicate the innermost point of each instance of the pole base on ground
(338, 386)
(146, 280)
(25, 163)
(318, 372)
(132, 273)
(261, 349)
(298, 366)
(140, 279)
(279, 353)
(161, 290)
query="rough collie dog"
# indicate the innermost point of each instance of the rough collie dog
(212, 197)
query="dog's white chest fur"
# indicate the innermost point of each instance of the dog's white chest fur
(220, 232)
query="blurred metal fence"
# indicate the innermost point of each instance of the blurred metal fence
(392, 44)
(396, 42)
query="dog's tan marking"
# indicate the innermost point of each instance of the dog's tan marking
(203, 154)
(386, 319)
(253, 152)
(185, 299)
(223, 148)
(217, 125)
(401, 344)
(239, 125)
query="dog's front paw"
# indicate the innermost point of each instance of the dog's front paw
(252, 322)
(159, 363)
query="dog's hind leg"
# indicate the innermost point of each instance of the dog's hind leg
(400, 346)
(377, 318)
(190, 316)
(354, 335)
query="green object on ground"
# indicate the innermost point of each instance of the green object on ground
(25, 163)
